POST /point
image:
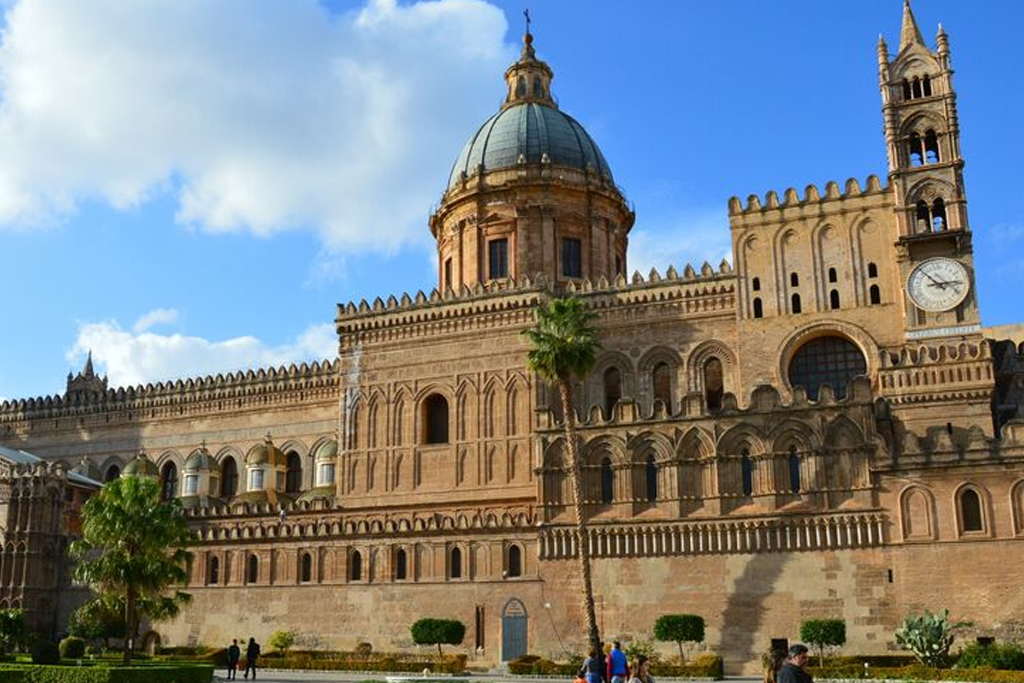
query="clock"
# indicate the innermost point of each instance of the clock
(938, 284)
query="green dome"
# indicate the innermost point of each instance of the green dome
(266, 453)
(200, 461)
(327, 451)
(141, 466)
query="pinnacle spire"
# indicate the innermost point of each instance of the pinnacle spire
(909, 32)
(88, 371)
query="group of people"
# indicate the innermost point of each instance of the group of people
(252, 653)
(615, 668)
(788, 667)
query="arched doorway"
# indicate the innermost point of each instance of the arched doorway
(513, 630)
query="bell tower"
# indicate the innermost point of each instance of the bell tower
(922, 135)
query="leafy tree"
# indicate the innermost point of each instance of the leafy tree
(929, 636)
(679, 628)
(823, 633)
(438, 632)
(97, 620)
(132, 550)
(563, 346)
(282, 640)
(12, 629)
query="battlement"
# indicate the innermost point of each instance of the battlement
(812, 196)
(233, 385)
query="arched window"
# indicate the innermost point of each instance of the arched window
(113, 472)
(916, 87)
(826, 360)
(747, 470)
(714, 384)
(794, 470)
(833, 299)
(876, 295)
(924, 217)
(756, 284)
(970, 510)
(515, 561)
(612, 389)
(307, 568)
(607, 482)
(293, 479)
(520, 86)
(213, 577)
(400, 565)
(252, 569)
(915, 150)
(651, 475)
(435, 419)
(926, 86)
(355, 566)
(939, 215)
(661, 378)
(931, 147)
(794, 303)
(758, 308)
(228, 477)
(906, 89)
(169, 481)
(872, 270)
(832, 275)
(794, 280)
(455, 563)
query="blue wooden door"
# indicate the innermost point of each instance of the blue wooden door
(513, 630)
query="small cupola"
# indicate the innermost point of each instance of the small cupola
(202, 479)
(142, 466)
(529, 79)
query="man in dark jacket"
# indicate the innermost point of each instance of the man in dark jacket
(234, 654)
(251, 653)
(793, 670)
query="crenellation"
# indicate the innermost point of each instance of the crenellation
(791, 199)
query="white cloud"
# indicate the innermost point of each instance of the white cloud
(260, 115)
(131, 358)
(691, 236)
(158, 316)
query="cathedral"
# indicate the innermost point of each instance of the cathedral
(819, 428)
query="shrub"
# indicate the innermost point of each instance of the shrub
(929, 636)
(640, 647)
(679, 628)
(282, 640)
(1004, 656)
(823, 633)
(13, 631)
(364, 649)
(72, 647)
(438, 632)
(45, 651)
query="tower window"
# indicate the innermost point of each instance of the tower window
(400, 565)
(435, 419)
(228, 477)
(758, 308)
(497, 258)
(661, 378)
(515, 562)
(455, 564)
(612, 390)
(832, 276)
(252, 570)
(915, 150)
(448, 273)
(970, 510)
(794, 470)
(756, 284)
(834, 361)
(794, 303)
(293, 479)
(169, 481)
(651, 475)
(926, 86)
(931, 147)
(833, 299)
(306, 574)
(939, 215)
(747, 470)
(714, 384)
(872, 270)
(607, 482)
(876, 295)
(916, 87)
(794, 280)
(355, 566)
(572, 257)
(214, 577)
(923, 217)
(906, 90)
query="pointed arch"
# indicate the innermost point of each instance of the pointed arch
(842, 433)
(697, 365)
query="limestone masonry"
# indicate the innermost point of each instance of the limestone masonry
(821, 428)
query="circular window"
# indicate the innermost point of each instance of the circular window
(826, 360)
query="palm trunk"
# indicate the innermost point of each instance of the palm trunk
(582, 538)
(130, 626)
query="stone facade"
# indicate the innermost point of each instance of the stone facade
(821, 429)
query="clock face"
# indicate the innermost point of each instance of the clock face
(938, 284)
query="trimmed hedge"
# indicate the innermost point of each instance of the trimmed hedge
(101, 674)
(348, 661)
(920, 672)
(702, 666)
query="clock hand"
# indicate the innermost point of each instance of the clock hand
(928, 275)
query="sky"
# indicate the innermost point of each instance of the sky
(191, 187)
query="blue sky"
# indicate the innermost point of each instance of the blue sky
(188, 189)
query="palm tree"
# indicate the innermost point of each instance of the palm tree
(133, 548)
(564, 345)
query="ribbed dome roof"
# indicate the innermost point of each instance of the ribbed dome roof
(530, 131)
(200, 461)
(141, 466)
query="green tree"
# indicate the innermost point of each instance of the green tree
(98, 620)
(12, 629)
(438, 632)
(679, 628)
(823, 633)
(132, 550)
(563, 346)
(282, 640)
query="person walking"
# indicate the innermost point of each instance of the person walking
(776, 658)
(793, 670)
(252, 652)
(618, 668)
(593, 668)
(234, 654)
(641, 670)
